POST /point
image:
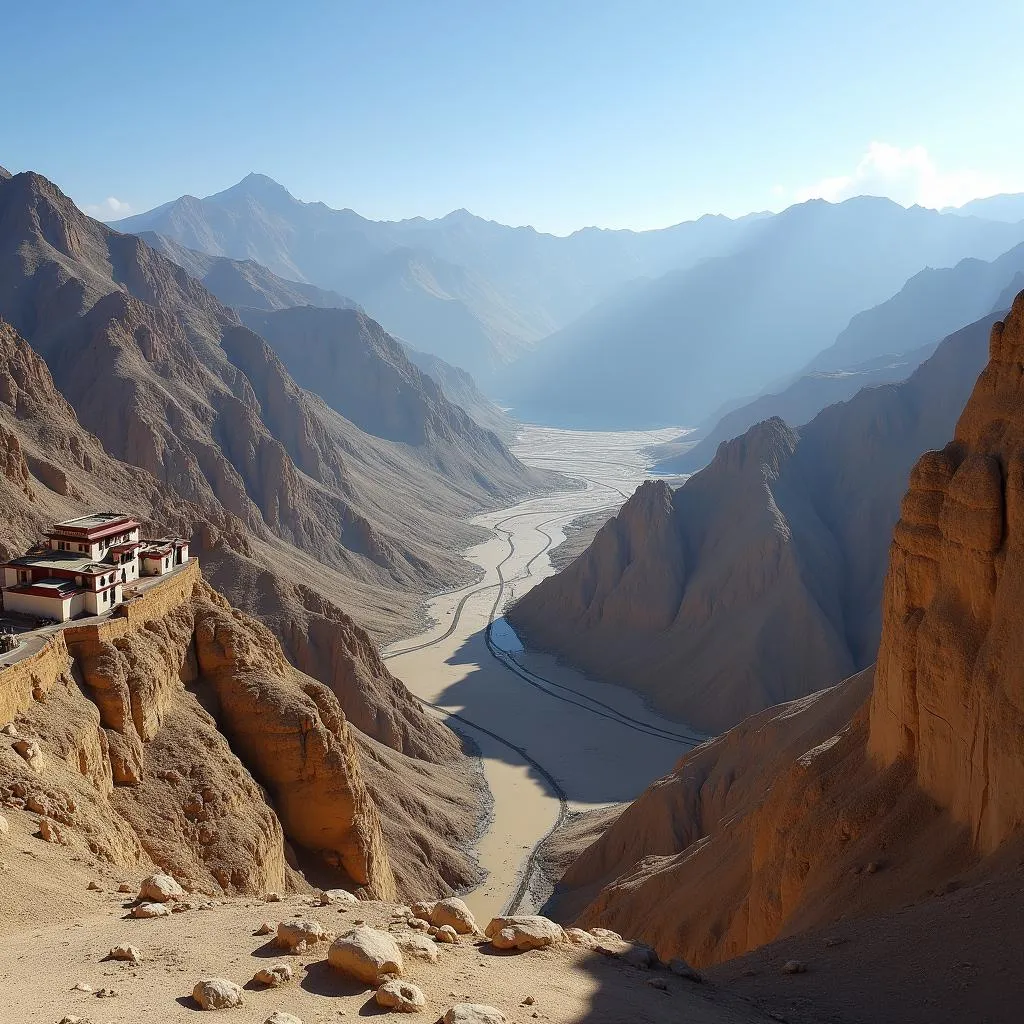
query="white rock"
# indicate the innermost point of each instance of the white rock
(291, 934)
(524, 931)
(579, 937)
(453, 912)
(419, 923)
(273, 976)
(332, 897)
(401, 996)
(417, 946)
(422, 909)
(473, 1013)
(217, 994)
(366, 954)
(160, 888)
(280, 1017)
(145, 910)
(5, 827)
(446, 933)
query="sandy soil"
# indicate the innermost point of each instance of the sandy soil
(55, 936)
(552, 741)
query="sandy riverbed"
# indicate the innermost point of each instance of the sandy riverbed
(596, 743)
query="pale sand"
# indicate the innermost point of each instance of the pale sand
(595, 757)
(54, 934)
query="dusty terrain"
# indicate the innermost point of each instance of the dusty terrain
(55, 934)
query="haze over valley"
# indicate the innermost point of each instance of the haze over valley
(512, 514)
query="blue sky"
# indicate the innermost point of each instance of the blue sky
(556, 113)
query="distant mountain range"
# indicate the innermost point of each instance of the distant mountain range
(879, 346)
(614, 329)
(674, 349)
(476, 293)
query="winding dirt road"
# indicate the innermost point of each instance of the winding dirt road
(551, 740)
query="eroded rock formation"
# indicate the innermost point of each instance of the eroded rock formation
(875, 792)
(760, 579)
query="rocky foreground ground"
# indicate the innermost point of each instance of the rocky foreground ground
(85, 943)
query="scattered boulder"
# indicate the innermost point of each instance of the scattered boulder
(421, 924)
(579, 937)
(272, 897)
(684, 970)
(366, 954)
(422, 909)
(455, 913)
(417, 946)
(401, 996)
(124, 887)
(332, 897)
(94, 887)
(605, 933)
(446, 933)
(146, 910)
(217, 994)
(658, 983)
(523, 932)
(794, 967)
(265, 929)
(32, 752)
(273, 976)
(5, 827)
(299, 934)
(280, 1017)
(473, 1013)
(51, 832)
(160, 888)
(129, 953)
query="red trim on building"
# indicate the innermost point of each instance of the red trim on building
(79, 533)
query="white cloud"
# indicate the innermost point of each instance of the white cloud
(907, 176)
(110, 209)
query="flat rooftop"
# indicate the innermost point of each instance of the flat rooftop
(93, 521)
(67, 562)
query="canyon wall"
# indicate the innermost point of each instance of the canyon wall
(176, 733)
(883, 789)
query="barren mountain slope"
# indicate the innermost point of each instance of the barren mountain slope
(50, 467)
(240, 283)
(170, 381)
(472, 291)
(879, 791)
(759, 579)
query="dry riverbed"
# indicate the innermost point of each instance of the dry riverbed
(551, 740)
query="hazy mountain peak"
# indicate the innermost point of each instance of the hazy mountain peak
(258, 186)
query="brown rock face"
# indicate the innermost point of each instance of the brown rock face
(950, 679)
(760, 579)
(142, 708)
(849, 802)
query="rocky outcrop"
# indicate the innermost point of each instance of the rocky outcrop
(880, 790)
(948, 695)
(760, 579)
